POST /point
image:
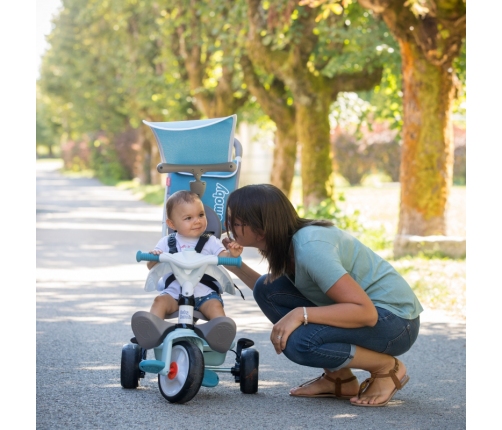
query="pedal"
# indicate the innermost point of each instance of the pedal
(151, 366)
(210, 379)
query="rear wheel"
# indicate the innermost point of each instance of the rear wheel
(249, 371)
(186, 371)
(129, 365)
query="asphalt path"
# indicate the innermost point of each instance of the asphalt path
(89, 285)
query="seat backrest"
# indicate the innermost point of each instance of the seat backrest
(206, 141)
(201, 141)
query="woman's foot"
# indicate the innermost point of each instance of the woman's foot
(342, 384)
(383, 384)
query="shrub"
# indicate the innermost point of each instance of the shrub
(75, 155)
(358, 155)
(375, 238)
(459, 166)
(351, 158)
(328, 210)
(105, 161)
(98, 153)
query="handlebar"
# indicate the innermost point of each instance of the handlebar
(192, 263)
(145, 256)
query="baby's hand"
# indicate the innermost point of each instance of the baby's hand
(234, 249)
(155, 251)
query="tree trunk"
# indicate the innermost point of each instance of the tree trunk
(283, 167)
(430, 36)
(313, 130)
(427, 152)
(273, 102)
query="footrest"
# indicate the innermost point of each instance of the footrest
(210, 379)
(149, 329)
(152, 366)
(219, 333)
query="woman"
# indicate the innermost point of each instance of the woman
(334, 303)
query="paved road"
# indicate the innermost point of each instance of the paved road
(89, 285)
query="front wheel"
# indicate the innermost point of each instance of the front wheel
(249, 371)
(185, 375)
(129, 365)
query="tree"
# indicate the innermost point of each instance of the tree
(204, 39)
(430, 34)
(104, 73)
(307, 55)
(275, 101)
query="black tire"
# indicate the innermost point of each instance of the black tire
(184, 381)
(129, 365)
(250, 359)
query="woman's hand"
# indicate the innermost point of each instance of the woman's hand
(284, 327)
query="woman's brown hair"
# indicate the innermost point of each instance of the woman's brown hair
(267, 210)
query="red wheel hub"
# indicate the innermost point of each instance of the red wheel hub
(173, 370)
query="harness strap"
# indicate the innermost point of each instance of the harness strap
(207, 280)
(202, 241)
(171, 242)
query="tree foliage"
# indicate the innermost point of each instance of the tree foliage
(113, 63)
(314, 59)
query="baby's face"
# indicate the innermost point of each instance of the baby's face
(189, 219)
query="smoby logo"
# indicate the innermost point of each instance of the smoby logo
(219, 200)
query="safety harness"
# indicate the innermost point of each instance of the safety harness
(207, 280)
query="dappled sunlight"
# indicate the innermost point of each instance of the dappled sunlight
(100, 367)
(119, 273)
(452, 331)
(88, 319)
(94, 226)
(252, 324)
(262, 384)
(104, 213)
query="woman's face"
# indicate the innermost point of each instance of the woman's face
(245, 236)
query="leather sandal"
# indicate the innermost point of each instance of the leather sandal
(399, 384)
(338, 387)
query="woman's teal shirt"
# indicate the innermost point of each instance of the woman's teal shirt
(324, 254)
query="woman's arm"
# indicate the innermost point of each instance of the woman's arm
(245, 274)
(352, 309)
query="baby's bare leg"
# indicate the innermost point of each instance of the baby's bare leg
(212, 309)
(164, 305)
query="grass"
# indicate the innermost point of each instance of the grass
(438, 282)
(153, 194)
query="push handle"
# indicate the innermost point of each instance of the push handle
(197, 169)
(145, 256)
(230, 261)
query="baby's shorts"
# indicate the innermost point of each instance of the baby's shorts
(200, 300)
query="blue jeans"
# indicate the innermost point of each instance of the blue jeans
(324, 346)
